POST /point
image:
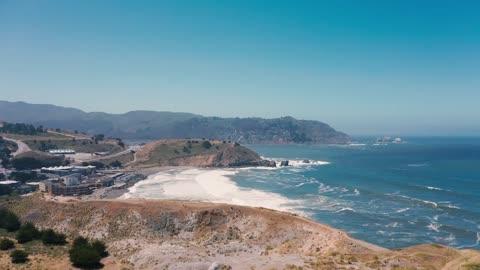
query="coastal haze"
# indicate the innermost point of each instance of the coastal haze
(151, 125)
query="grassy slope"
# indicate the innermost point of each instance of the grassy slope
(200, 228)
(182, 153)
(166, 149)
(80, 146)
(61, 141)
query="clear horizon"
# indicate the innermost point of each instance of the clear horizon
(363, 68)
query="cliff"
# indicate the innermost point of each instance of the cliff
(197, 153)
(149, 234)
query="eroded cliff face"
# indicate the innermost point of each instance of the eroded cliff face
(148, 234)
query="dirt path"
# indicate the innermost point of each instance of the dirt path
(22, 147)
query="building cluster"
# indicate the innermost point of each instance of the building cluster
(19, 187)
(73, 180)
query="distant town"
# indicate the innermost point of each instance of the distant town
(61, 163)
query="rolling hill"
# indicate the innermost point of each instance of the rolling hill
(153, 125)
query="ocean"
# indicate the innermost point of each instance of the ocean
(424, 190)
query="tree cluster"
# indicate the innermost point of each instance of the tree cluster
(23, 129)
(84, 253)
(25, 177)
(31, 163)
(87, 254)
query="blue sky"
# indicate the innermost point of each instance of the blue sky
(365, 67)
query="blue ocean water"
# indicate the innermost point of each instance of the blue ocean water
(426, 190)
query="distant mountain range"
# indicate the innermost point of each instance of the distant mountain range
(152, 125)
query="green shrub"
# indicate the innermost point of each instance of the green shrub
(50, 237)
(206, 144)
(8, 220)
(27, 233)
(85, 254)
(100, 247)
(80, 241)
(84, 257)
(19, 256)
(6, 244)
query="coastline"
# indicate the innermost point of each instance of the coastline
(174, 234)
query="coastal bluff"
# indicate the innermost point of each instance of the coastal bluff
(164, 234)
(197, 153)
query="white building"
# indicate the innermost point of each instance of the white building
(61, 151)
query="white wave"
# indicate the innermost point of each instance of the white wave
(434, 204)
(417, 165)
(434, 188)
(207, 185)
(434, 227)
(344, 209)
(322, 188)
(451, 206)
(357, 144)
(402, 210)
(356, 192)
(299, 185)
(393, 225)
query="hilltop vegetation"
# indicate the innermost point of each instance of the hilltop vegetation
(169, 125)
(198, 152)
(20, 128)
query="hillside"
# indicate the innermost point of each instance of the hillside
(153, 125)
(149, 234)
(197, 152)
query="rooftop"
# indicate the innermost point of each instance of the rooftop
(8, 182)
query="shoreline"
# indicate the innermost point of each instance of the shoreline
(199, 235)
(109, 193)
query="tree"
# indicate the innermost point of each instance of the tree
(206, 144)
(100, 247)
(27, 233)
(116, 163)
(87, 254)
(19, 256)
(6, 244)
(8, 220)
(84, 257)
(80, 241)
(50, 237)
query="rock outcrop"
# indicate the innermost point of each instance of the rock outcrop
(186, 153)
